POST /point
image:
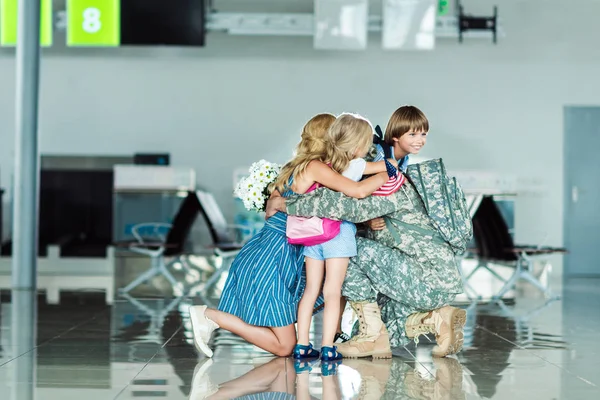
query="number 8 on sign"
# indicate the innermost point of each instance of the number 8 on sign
(91, 20)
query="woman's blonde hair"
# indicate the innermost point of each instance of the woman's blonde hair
(349, 137)
(311, 147)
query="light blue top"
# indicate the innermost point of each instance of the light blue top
(402, 163)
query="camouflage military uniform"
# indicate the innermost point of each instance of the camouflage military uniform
(407, 267)
(399, 380)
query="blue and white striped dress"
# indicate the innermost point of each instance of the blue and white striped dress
(267, 278)
(268, 396)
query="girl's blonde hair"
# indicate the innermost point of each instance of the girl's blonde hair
(311, 147)
(349, 137)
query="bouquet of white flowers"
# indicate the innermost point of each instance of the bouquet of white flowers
(253, 189)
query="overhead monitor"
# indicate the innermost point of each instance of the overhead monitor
(409, 24)
(341, 24)
(163, 22)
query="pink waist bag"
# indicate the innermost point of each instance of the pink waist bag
(311, 231)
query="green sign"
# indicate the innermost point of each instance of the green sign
(9, 17)
(93, 23)
(443, 7)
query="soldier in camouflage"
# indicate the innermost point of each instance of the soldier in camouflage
(405, 274)
(398, 380)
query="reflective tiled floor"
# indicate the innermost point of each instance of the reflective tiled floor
(142, 349)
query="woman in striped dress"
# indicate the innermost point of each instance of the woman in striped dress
(260, 300)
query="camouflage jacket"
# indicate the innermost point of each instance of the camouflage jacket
(409, 228)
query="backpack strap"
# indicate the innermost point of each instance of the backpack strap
(378, 139)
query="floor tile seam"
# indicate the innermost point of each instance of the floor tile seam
(418, 362)
(148, 362)
(538, 356)
(55, 337)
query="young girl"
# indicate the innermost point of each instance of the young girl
(260, 298)
(348, 140)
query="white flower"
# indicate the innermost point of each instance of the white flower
(253, 189)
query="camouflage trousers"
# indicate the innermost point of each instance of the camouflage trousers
(405, 382)
(390, 277)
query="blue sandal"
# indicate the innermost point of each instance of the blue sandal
(329, 368)
(330, 353)
(301, 352)
(302, 366)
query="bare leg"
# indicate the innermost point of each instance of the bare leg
(314, 280)
(279, 341)
(302, 387)
(286, 379)
(258, 380)
(343, 302)
(331, 387)
(332, 292)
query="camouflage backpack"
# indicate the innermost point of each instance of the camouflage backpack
(444, 201)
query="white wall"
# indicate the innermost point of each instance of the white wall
(496, 108)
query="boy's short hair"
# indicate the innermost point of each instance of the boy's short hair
(403, 120)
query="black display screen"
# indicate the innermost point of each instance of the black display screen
(163, 22)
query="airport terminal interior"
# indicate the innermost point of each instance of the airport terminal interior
(131, 130)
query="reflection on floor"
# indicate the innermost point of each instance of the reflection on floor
(142, 349)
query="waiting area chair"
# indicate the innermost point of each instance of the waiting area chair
(161, 246)
(494, 245)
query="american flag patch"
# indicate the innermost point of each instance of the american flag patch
(391, 186)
